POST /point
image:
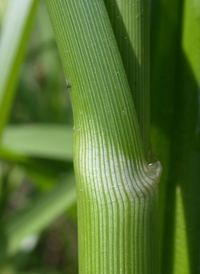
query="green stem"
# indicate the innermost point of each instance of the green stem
(117, 192)
(130, 22)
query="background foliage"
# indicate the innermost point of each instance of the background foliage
(38, 230)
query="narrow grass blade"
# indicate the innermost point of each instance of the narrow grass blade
(37, 216)
(40, 140)
(14, 36)
(166, 20)
(187, 145)
(175, 136)
(3, 6)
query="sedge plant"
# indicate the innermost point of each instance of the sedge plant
(104, 48)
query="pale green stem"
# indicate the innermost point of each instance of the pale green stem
(130, 21)
(117, 192)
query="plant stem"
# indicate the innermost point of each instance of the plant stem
(130, 22)
(117, 192)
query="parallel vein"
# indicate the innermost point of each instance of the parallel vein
(117, 191)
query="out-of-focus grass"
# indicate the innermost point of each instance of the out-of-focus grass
(34, 157)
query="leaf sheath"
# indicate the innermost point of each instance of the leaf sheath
(117, 192)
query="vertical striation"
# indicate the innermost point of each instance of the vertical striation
(117, 192)
(130, 21)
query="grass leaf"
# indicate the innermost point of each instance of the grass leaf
(175, 135)
(37, 216)
(165, 45)
(40, 140)
(15, 31)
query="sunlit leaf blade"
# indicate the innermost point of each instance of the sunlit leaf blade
(37, 216)
(14, 36)
(46, 141)
(186, 155)
(181, 257)
(3, 6)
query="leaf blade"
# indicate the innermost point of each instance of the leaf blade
(15, 32)
(40, 140)
(37, 216)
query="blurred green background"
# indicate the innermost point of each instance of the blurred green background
(38, 229)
